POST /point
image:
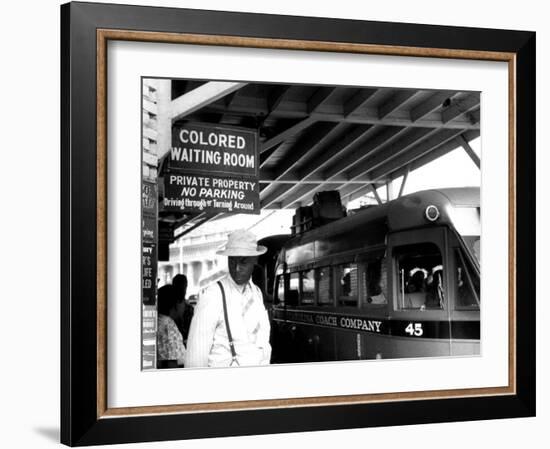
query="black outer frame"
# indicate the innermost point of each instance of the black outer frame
(79, 422)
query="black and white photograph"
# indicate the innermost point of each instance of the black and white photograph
(306, 223)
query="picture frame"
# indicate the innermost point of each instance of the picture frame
(86, 30)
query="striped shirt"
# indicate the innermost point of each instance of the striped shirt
(208, 344)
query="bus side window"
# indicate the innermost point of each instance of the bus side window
(375, 282)
(347, 273)
(419, 276)
(280, 289)
(308, 287)
(293, 294)
(467, 284)
(325, 287)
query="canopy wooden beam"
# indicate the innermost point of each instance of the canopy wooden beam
(287, 133)
(294, 193)
(362, 152)
(373, 190)
(404, 181)
(200, 97)
(274, 99)
(460, 107)
(357, 101)
(440, 151)
(396, 101)
(406, 158)
(430, 105)
(427, 145)
(336, 113)
(308, 145)
(469, 151)
(320, 96)
(406, 141)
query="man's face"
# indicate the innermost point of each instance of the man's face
(240, 268)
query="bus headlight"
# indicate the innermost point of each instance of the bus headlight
(432, 213)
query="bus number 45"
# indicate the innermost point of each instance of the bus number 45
(414, 329)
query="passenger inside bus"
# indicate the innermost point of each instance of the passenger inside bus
(417, 282)
(420, 273)
(348, 284)
(375, 277)
(434, 292)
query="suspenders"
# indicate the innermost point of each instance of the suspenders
(228, 329)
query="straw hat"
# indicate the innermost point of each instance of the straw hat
(242, 243)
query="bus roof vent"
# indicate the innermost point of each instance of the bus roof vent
(327, 207)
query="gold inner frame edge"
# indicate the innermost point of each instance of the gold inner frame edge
(104, 35)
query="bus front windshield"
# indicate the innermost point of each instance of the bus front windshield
(467, 222)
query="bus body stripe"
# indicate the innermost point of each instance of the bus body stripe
(435, 329)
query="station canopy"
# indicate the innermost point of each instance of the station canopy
(315, 138)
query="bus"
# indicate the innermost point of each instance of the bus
(397, 280)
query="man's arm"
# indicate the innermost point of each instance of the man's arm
(203, 327)
(262, 340)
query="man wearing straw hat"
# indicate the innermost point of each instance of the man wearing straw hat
(230, 326)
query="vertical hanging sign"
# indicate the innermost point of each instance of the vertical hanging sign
(149, 234)
(148, 242)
